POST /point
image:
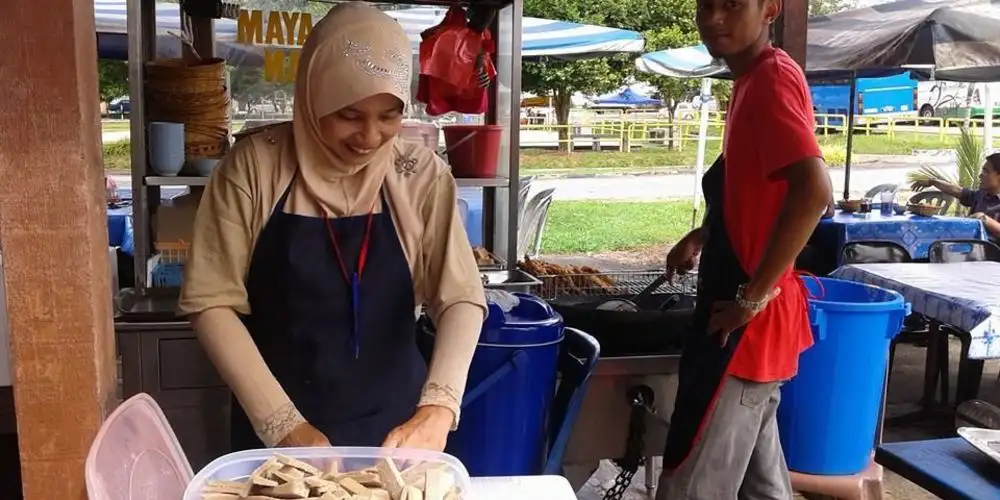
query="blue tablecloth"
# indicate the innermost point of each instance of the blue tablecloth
(913, 232)
(949, 468)
(965, 295)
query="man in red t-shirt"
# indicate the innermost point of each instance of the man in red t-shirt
(765, 196)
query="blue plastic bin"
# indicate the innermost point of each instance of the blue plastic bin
(512, 382)
(829, 412)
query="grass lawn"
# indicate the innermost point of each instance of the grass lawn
(604, 226)
(114, 125)
(834, 148)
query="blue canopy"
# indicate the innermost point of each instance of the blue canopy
(540, 37)
(628, 97)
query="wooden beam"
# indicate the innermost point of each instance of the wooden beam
(54, 236)
(790, 29)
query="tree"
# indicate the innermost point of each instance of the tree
(562, 78)
(112, 79)
(667, 23)
(826, 7)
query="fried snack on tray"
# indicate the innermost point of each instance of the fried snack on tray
(568, 280)
(483, 257)
(286, 478)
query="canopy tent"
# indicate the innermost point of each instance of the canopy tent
(541, 37)
(960, 39)
(945, 39)
(627, 97)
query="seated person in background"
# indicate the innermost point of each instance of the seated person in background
(983, 203)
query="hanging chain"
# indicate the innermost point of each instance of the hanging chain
(640, 398)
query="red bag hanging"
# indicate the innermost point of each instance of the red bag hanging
(455, 63)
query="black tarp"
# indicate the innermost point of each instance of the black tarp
(960, 39)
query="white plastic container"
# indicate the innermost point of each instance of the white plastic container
(238, 466)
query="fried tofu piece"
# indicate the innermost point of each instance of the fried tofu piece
(225, 488)
(298, 464)
(392, 480)
(353, 487)
(292, 490)
(437, 484)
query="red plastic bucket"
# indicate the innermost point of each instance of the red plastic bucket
(476, 156)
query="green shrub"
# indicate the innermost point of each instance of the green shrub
(118, 156)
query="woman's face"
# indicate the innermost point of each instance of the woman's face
(356, 132)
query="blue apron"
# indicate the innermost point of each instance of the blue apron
(704, 363)
(302, 319)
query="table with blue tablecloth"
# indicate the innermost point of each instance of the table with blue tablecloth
(949, 468)
(913, 232)
(965, 295)
(118, 217)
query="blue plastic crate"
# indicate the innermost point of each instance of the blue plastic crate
(168, 275)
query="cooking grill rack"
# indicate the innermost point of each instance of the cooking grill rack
(612, 284)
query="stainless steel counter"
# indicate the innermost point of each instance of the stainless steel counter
(657, 364)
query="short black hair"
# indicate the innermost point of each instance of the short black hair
(994, 161)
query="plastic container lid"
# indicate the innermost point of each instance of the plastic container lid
(531, 321)
(136, 455)
(238, 466)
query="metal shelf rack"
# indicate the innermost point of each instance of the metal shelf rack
(500, 194)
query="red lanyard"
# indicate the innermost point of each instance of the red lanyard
(362, 253)
(353, 280)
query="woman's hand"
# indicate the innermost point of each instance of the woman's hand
(427, 430)
(304, 435)
(920, 185)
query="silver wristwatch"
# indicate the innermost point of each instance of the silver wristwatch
(754, 306)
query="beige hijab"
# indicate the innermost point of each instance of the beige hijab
(353, 53)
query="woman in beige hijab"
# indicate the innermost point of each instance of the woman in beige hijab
(315, 245)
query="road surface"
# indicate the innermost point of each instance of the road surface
(681, 186)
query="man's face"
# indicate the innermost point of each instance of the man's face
(989, 178)
(730, 27)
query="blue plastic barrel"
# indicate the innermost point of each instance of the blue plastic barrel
(829, 413)
(512, 381)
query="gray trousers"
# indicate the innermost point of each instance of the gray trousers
(739, 454)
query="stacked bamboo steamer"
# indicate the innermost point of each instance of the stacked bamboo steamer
(193, 93)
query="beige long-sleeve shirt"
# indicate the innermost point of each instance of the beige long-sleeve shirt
(235, 208)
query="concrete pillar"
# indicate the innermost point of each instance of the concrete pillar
(790, 29)
(53, 234)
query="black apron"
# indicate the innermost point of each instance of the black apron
(704, 363)
(302, 319)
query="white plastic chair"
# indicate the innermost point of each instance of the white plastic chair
(536, 213)
(136, 455)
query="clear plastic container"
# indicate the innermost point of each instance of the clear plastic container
(136, 455)
(238, 466)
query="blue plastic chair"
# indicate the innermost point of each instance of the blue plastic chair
(577, 360)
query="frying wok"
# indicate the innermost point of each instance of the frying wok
(626, 333)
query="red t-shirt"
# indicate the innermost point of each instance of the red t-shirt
(769, 127)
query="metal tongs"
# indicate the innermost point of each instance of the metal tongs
(627, 305)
